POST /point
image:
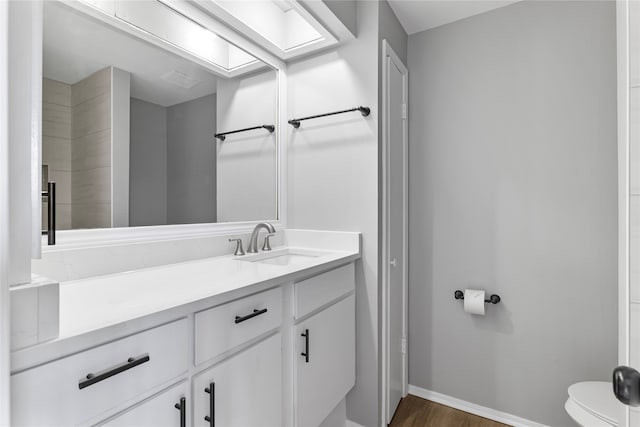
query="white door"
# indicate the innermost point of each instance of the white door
(325, 362)
(395, 135)
(244, 390)
(168, 409)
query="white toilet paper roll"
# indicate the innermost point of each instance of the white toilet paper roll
(474, 301)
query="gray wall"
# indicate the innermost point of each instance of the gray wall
(120, 150)
(346, 11)
(173, 162)
(191, 161)
(148, 164)
(513, 189)
(391, 30)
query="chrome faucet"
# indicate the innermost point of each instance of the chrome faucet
(253, 241)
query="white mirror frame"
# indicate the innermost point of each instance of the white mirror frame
(113, 236)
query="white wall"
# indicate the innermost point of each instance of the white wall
(23, 37)
(333, 177)
(247, 162)
(513, 178)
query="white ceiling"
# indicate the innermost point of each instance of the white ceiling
(76, 46)
(420, 15)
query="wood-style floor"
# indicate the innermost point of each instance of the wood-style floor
(416, 412)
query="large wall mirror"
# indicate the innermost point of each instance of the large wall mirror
(131, 106)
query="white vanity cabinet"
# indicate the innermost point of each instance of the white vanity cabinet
(217, 365)
(169, 408)
(242, 391)
(324, 367)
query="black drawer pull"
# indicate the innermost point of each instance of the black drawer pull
(132, 362)
(182, 407)
(50, 194)
(255, 313)
(211, 418)
(305, 334)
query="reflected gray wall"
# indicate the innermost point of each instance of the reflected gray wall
(391, 30)
(346, 11)
(148, 161)
(513, 188)
(173, 162)
(191, 161)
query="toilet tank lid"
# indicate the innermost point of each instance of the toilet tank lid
(597, 397)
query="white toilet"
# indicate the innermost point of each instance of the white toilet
(592, 404)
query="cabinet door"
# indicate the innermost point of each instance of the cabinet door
(326, 371)
(242, 391)
(159, 411)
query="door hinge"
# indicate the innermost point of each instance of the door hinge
(404, 111)
(403, 345)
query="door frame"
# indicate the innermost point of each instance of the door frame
(5, 332)
(624, 220)
(389, 57)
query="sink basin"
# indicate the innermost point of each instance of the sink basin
(281, 257)
(286, 259)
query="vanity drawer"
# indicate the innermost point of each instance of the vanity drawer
(226, 326)
(51, 395)
(313, 293)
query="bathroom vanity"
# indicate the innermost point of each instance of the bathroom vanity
(162, 124)
(264, 339)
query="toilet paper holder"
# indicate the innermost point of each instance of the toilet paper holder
(493, 299)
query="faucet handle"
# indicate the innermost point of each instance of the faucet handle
(239, 249)
(267, 245)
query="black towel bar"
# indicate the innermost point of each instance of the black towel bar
(365, 111)
(223, 135)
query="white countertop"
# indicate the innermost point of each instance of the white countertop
(99, 309)
(94, 303)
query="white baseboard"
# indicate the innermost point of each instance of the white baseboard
(472, 408)
(350, 423)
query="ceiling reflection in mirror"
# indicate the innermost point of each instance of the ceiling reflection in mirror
(131, 104)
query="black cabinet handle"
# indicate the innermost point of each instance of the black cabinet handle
(211, 418)
(255, 313)
(305, 334)
(132, 362)
(50, 194)
(182, 407)
(626, 385)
